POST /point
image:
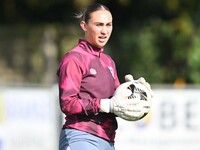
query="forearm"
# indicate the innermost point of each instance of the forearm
(73, 105)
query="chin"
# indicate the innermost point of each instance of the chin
(101, 45)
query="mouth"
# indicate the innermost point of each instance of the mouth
(102, 38)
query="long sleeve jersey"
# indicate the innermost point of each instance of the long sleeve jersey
(87, 75)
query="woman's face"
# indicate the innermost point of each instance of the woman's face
(98, 28)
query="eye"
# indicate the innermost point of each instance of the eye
(99, 24)
(109, 25)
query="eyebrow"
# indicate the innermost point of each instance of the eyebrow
(103, 22)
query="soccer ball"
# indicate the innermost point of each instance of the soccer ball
(143, 95)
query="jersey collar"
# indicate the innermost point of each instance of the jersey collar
(90, 48)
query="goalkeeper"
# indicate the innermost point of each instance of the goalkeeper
(87, 83)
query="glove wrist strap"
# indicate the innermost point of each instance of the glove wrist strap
(105, 105)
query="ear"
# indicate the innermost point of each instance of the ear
(83, 25)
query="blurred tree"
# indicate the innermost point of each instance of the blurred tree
(155, 39)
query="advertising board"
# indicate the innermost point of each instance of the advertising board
(173, 123)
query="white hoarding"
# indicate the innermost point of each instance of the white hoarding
(28, 119)
(173, 123)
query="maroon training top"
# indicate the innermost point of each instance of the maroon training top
(86, 75)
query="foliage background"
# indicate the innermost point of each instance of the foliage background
(156, 39)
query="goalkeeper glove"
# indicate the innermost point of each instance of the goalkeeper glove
(121, 105)
(129, 78)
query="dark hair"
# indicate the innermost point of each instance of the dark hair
(85, 15)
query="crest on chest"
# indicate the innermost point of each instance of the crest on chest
(111, 71)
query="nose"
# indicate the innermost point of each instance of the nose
(104, 30)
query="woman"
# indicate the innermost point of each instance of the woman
(87, 82)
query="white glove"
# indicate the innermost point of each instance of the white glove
(131, 100)
(129, 78)
(124, 104)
